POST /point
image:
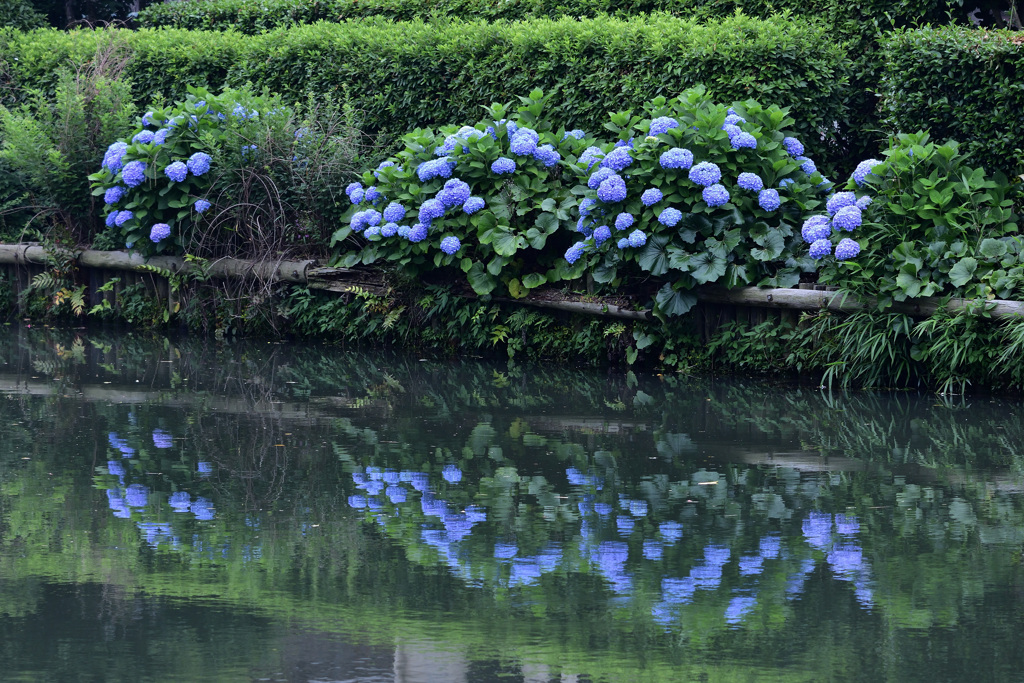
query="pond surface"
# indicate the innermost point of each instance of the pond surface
(181, 511)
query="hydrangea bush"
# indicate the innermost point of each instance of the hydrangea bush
(488, 199)
(697, 193)
(155, 182)
(920, 223)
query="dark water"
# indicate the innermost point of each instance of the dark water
(186, 512)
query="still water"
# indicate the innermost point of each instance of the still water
(181, 511)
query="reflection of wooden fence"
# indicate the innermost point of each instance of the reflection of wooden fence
(716, 305)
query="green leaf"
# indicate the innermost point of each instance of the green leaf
(706, 267)
(773, 244)
(480, 280)
(654, 257)
(672, 302)
(991, 248)
(963, 271)
(534, 280)
(506, 243)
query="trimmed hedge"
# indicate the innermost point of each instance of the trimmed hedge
(256, 17)
(410, 75)
(960, 83)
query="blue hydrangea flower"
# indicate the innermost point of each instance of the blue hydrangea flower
(576, 134)
(807, 166)
(161, 136)
(863, 168)
(622, 243)
(248, 152)
(381, 167)
(786, 182)
(372, 194)
(547, 155)
(503, 165)
(612, 189)
(417, 233)
(134, 173)
(356, 195)
(403, 231)
(473, 204)
(601, 233)
(448, 147)
(389, 229)
(573, 253)
(394, 212)
(352, 187)
(820, 248)
(590, 156)
(431, 209)
(371, 217)
(705, 173)
(662, 124)
(201, 205)
(176, 171)
(159, 232)
(847, 249)
(511, 128)
(624, 143)
(435, 168)
(839, 200)
(147, 119)
(750, 181)
(454, 193)
(586, 205)
(715, 195)
(815, 228)
(731, 130)
(371, 232)
(618, 159)
(734, 119)
(113, 194)
(199, 163)
(743, 140)
(676, 157)
(598, 177)
(669, 217)
(583, 225)
(450, 244)
(113, 156)
(111, 218)
(793, 146)
(769, 199)
(847, 218)
(864, 202)
(145, 137)
(637, 238)
(358, 221)
(623, 221)
(524, 142)
(123, 217)
(651, 196)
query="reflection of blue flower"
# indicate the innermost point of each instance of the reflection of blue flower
(638, 508)
(769, 547)
(505, 551)
(525, 572)
(751, 565)
(419, 480)
(738, 608)
(625, 525)
(137, 495)
(204, 467)
(396, 494)
(653, 549)
(817, 529)
(677, 590)
(847, 525)
(475, 514)
(202, 508)
(846, 561)
(180, 501)
(374, 487)
(357, 502)
(451, 474)
(671, 531)
(115, 468)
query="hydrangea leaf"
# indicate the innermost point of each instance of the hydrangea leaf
(707, 267)
(480, 280)
(963, 271)
(534, 280)
(672, 302)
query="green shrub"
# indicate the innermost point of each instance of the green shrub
(934, 226)
(406, 76)
(20, 14)
(958, 83)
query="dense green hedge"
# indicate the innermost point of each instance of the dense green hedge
(960, 83)
(255, 17)
(408, 75)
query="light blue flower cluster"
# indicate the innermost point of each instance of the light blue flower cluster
(145, 137)
(389, 230)
(161, 136)
(750, 181)
(431, 209)
(651, 196)
(820, 248)
(450, 244)
(199, 163)
(113, 194)
(435, 168)
(618, 159)
(807, 166)
(590, 156)
(473, 204)
(839, 200)
(637, 239)
(159, 232)
(815, 228)
(524, 142)
(355, 192)
(793, 146)
(123, 217)
(670, 217)
(573, 253)
(743, 140)
(547, 155)
(454, 193)
(418, 233)
(176, 171)
(147, 119)
(705, 173)
(598, 177)
(502, 165)
(676, 158)
(860, 173)
(576, 134)
(734, 119)
(769, 199)
(201, 205)
(864, 202)
(381, 167)
(662, 124)
(612, 189)
(113, 156)
(601, 233)
(624, 221)
(394, 212)
(847, 218)
(715, 195)
(847, 249)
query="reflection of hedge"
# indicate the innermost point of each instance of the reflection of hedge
(248, 17)
(403, 76)
(962, 84)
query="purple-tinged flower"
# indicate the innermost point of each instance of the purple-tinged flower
(123, 217)
(847, 218)
(454, 193)
(670, 216)
(111, 219)
(113, 194)
(618, 159)
(450, 244)
(676, 158)
(612, 189)
(472, 205)
(137, 496)
(176, 171)
(734, 119)
(839, 200)
(576, 134)
(590, 156)
(159, 232)
(624, 221)
(705, 173)
(637, 238)
(769, 199)
(750, 181)
(134, 173)
(651, 196)
(199, 163)
(601, 233)
(147, 119)
(371, 217)
(793, 146)
(394, 212)
(860, 173)
(662, 124)
(547, 155)
(417, 233)
(623, 243)
(815, 228)
(731, 130)
(524, 142)
(503, 165)
(847, 249)
(144, 137)
(820, 248)
(715, 195)
(112, 159)
(372, 194)
(864, 202)
(598, 177)
(431, 209)
(573, 253)
(743, 140)
(356, 195)
(389, 230)
(807, 166)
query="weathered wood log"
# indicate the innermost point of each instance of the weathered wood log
(584, 307)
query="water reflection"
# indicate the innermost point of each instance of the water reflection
(507, 521)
